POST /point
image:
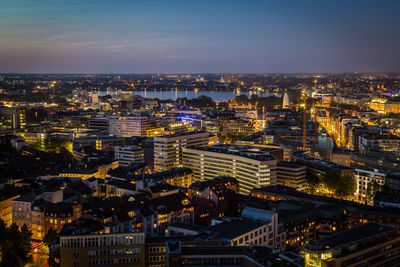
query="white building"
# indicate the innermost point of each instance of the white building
(168, 149)
(128, 126)
(364, 178)
(252, 167)
(127, 155)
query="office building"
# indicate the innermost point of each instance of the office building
(128, 155)
(128, 126)
(80, 247)
(252, 167)
(168, 149)
(292, 175)
(100, 123)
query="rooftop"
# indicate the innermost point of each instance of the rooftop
(180, 134)
(171, 173)
(234, 228)
(323, 163)
(201, 185)
(250, 152)
(353, 235)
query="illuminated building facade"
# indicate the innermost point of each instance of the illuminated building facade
(168, 149)
(12, 118)
(383, 106)
(57, 215)
(364, 178)
(251, 167)
(6, 207)
(128, 126)
(182, 177)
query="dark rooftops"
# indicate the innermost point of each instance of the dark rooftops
(220, 180)
(261, 255)
(301, 155)
(353, 235)
(81, 227)
(234, 228)
(169, 174)
(290, 165)
(124, 172)
(171, 202)
(162, 188)
(292, 194)
(122, 184)
(29, 197)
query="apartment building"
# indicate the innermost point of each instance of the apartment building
(364, 178)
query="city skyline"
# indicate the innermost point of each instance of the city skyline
(207, 37)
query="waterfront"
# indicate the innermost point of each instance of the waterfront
(215, 95)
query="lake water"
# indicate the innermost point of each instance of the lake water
(215, 95)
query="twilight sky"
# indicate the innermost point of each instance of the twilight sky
(183, 36)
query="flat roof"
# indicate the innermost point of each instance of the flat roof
(352, 235)
(180, 134)
(320, 162)
(241, 151)
(235, 228)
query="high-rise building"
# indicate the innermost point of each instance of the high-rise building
(128, 126)
(252, 167)
(127, 155)
(168, 149)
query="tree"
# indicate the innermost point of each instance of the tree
(53, 145)
(202, 102)
(242, 100)
(331, 181)
(269, 102)
(254, 100)
(312, 180)
(230, 138)
(341, 185)
(15, 245)
(347, 186)
(372, 189)
(49, 237)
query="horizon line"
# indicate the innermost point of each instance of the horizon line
(193, 73)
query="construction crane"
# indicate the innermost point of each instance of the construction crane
(304, 120)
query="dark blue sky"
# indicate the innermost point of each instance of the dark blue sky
(143, 36)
